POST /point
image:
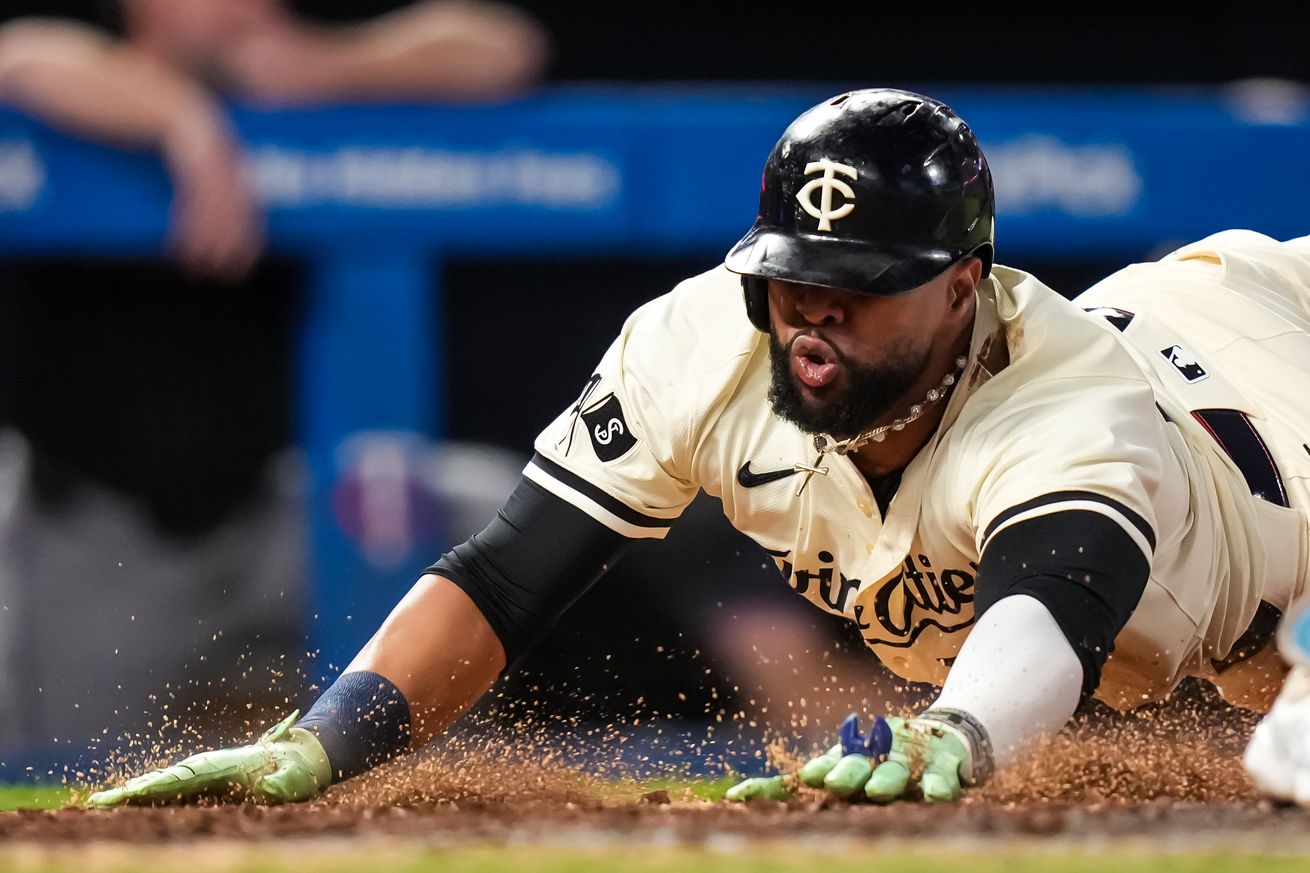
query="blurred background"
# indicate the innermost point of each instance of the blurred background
(287, 290)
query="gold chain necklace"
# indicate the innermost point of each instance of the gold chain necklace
(825, 444)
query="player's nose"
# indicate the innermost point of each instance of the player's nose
(819, 306)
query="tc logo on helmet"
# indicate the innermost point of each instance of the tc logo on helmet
(827, 183)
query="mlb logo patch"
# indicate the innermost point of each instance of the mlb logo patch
(1184, 363)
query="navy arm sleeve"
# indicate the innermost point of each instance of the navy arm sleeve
(531, 563)
(1081, 565)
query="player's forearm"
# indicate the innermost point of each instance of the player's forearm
(446, 51)
(445, 643)
(1017, 675)
(438, 651)
(83, 82)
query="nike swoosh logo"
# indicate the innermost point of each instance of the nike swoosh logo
(747, 479)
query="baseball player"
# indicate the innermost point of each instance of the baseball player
(1024, 500)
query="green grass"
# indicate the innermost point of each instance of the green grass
(757, 858)
(33, 796)
(681, 788)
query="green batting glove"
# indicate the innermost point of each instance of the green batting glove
(760, 788)
(936, 754)
(780, 787)
(284, 765)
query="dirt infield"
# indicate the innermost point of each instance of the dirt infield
(1181, 824)
(1169, 775)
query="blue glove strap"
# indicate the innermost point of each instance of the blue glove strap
(362, 721)
(877, 745)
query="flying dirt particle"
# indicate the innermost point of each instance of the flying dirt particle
(1188, 748)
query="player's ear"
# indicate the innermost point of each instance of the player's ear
(965, 276)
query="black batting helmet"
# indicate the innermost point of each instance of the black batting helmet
(875, 192)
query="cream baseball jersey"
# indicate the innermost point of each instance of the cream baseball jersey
(1222, 328)
(1054, 412)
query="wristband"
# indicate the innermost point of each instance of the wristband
(981, 760)
(362, 720)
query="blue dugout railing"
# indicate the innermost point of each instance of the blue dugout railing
(373, 197)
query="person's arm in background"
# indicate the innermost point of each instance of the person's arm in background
(448, 50)
(90, 85)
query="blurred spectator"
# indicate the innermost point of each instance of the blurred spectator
(148, 484)
(153, 89)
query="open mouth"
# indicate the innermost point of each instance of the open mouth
(813, 361)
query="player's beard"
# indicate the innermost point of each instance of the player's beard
(864, 395)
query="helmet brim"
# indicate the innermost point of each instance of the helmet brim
(833, 262)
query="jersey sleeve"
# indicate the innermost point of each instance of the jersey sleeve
(1064, 512)
(531, 563)
(1102, 453)
(622, 451)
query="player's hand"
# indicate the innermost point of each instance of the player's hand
(900, 757)
(286, 764)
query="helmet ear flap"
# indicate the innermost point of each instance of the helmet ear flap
(756, 292)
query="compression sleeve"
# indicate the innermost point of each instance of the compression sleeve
(531, 563)
(1016, 674)
(1086, 567)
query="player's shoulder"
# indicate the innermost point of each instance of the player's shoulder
(709, 304)
(1065, 367)
(1050, 337)
(1070, 412)
(1023, 299)
(697, 329)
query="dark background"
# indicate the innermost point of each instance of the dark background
(886, 43)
